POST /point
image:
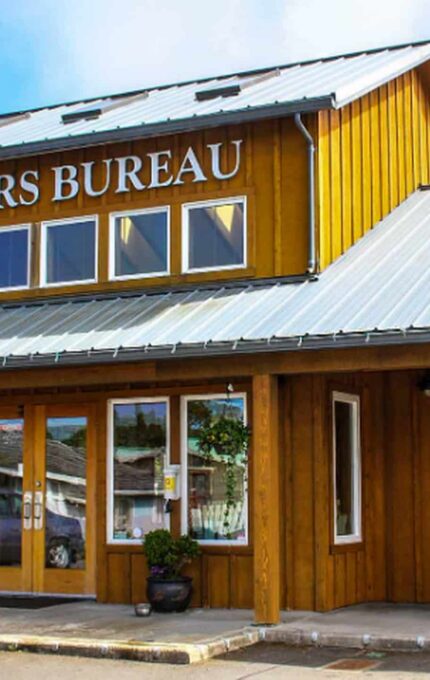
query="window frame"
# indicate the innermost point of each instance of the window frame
(110, 540)
(44, 226)
(356, 536)
(186, 207)
(184, 467)
(112, 243)
(20, 227)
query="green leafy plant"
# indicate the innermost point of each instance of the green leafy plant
(226, 440)
(167, 556)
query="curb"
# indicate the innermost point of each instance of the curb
(376, 642)
(172, 653)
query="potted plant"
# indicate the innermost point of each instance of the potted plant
(226, 440)
(167, 590)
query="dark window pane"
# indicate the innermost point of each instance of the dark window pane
(209, 518)
(140, 447)
(216, 236)
(13, 258)
(141, 244)
(70, 252)
(344, 468)
(11, 472)
(66, 492)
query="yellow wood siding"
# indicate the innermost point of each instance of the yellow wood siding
(272, 175)
(371, 155)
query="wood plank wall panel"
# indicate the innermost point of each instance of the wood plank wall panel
(392, 564)
(273, 175)
(371, 155)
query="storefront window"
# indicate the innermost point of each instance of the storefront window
(140, 243)
(214, 235)
(346, 468)
(139, 454)
(206, 516)
(69, 251)
(14, 257)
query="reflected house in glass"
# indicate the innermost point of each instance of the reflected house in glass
(253, 245)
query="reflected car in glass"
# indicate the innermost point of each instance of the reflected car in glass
(65, 544)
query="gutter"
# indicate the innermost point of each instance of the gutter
(220, 349)
(312, 260)
(276, 110)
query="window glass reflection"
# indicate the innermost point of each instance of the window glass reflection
(139, 458)
(141, 244)
(216, 236)
(11, 473)
(65, 495)
(13, 258)
(70, 252)
(207, 501)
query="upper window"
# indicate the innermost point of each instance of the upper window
(214, 235)
(346, 468)
(14, 257)
(139, 244)
(69, 251)
(207, 513)
(139, 437)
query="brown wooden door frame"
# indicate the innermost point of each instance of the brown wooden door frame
(32, 576)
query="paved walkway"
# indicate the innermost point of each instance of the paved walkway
(113, 631)
(376, 625)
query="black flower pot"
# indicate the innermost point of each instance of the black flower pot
(169, 596)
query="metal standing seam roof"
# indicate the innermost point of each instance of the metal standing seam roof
(320, 84)
(378, 292)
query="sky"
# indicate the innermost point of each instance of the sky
(56, 50)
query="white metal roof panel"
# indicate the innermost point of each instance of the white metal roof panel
(331, 82)
(377, 291)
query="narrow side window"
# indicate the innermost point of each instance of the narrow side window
(346, 468)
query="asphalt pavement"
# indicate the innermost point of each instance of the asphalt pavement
(274, 662)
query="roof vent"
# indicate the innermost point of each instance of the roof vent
(96, 108)
(13, 118)
(232, 89)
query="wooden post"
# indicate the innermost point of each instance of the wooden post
(266, 474)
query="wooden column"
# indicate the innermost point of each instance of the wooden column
(266, 502)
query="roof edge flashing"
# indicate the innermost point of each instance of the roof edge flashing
(168, 127)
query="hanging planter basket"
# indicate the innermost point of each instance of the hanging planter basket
(226, 440)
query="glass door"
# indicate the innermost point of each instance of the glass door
(47, 511)
(64, 501)
(15, 502)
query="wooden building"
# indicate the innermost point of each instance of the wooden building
(255, 243)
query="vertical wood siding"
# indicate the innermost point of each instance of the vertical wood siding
(371, 155)
(392, 563)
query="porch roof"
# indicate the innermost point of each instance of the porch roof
(378, 292)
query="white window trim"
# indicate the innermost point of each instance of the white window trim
(186, 207)
(110, 476)
(20, 227)
(112, 243)
(43, 242)
(184, 467)
(356, 535)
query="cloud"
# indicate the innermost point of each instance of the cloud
(56, 50)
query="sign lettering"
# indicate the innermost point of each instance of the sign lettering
(122, 175)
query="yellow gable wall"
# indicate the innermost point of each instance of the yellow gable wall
(272, 175)
(371, 155)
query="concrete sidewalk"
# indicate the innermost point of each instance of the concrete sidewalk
(113, 631)
(378, 626)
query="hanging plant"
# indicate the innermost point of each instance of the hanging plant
(225, 440)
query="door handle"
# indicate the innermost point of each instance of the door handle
(27, 510)
(38, 510)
